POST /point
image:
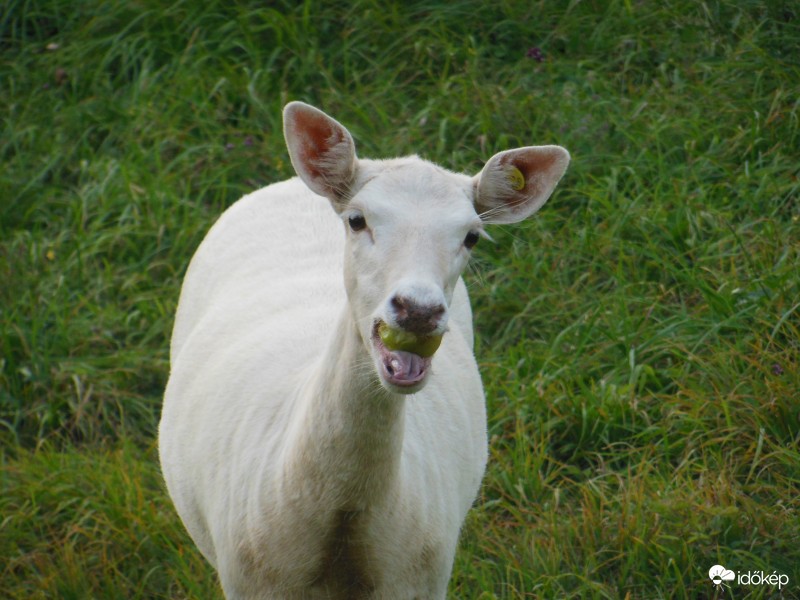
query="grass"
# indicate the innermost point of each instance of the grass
(639, 339)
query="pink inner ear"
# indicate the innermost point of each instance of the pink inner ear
(537, 168)
(317, 139)
(531, 163)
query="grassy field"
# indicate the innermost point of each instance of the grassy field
(639, 339)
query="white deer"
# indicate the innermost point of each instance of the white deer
(313, 444)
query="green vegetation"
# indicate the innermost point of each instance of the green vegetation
(639, 339)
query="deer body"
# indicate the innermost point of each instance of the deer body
(306, 458)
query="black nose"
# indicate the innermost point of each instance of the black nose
(415, 317)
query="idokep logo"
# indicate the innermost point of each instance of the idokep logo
(719, 575)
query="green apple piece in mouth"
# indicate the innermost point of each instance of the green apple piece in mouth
(398, 339)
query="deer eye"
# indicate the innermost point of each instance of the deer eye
(471, 239)
(357, 222)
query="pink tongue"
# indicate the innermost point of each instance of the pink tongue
(404, 366)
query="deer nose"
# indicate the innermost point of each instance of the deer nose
(417, 317)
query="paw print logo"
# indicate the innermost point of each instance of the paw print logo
(719, 575)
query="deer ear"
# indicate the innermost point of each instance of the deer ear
(322, 151)
(516, 183)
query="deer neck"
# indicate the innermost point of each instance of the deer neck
(348, 429)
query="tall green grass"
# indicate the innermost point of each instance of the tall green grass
(638, 340)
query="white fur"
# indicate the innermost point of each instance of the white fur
(297, 468)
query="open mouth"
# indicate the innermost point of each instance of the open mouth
(399, 367)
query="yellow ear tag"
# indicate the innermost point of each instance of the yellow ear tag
(516, 178)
